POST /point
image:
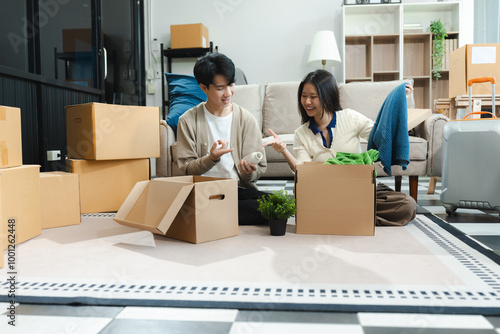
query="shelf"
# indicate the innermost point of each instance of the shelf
(185, 53)
(363, 20)
(377, 48)
(385, 76)
(72, 56)
(440, 87)
(417, 55)
(359, 79)
(178, 53)
(358, 51)
(385, 53)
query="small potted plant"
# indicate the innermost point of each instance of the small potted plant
(277, 207)
(438, 48)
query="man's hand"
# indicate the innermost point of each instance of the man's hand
(245, 168)
(278, 144)
(219, 148)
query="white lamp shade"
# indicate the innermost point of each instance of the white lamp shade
(324, 47)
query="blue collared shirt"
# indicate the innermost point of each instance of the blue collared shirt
(330, 126)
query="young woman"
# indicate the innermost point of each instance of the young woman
(326, 129)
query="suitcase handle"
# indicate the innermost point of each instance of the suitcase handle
(482, 79)
(479, 112)
(479, 80)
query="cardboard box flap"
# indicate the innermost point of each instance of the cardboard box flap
(151, 202)
(174, 206)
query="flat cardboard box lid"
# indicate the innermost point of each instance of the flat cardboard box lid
(153, 205)
(417, 116)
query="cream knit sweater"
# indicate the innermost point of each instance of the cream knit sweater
(350, 127)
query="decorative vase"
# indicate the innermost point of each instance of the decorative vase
(278, 226)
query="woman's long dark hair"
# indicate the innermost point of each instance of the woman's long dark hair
(328, 92)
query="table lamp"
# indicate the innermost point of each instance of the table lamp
(324, 49)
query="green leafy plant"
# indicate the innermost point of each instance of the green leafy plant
(277, 205)
(438, 30)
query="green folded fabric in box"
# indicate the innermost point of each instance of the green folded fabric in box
(365, 158)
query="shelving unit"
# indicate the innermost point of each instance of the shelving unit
(178, 53)
(377, 48)
(72, 60)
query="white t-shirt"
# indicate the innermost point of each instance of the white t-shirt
(220, 128)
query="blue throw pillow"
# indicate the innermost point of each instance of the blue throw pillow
(183, 94)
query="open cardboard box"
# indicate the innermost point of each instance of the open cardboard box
(335, 199)
(191, 208)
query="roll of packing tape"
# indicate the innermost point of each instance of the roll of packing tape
(254, 158)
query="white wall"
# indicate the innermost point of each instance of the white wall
(268, 39)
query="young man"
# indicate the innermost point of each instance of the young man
(215, 136)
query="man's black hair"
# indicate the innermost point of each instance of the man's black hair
(212, 64)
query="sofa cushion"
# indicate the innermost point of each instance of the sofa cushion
(366, 97)
(248, 97)
(280, 111)
(183, 94)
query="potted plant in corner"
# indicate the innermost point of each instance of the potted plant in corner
(438, 46)
(277, 207)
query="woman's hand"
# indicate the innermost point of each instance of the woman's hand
(278, 144)
(409, 89)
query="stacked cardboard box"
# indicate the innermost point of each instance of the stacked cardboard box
(186, 36)
(473, 61)
(20, 207)
(109, 147)
(60, 198)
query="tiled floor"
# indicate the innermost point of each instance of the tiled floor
(482, 226)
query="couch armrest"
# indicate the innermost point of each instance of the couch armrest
(432, 131)
(164, 162)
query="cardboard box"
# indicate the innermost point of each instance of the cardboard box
(473, 61)
(101, 131)
(185, 36)
(77, 40)
(20, 203)
(104, 185)
(60, 198)
(1, 249)
(191, 208)
(11, 154)
(335, 199)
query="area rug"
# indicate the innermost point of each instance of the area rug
(426, 266)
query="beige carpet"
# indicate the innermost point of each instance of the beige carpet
(419, 258)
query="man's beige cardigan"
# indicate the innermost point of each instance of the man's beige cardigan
(194, 141)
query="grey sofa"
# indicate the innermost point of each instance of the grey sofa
(278, 111)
